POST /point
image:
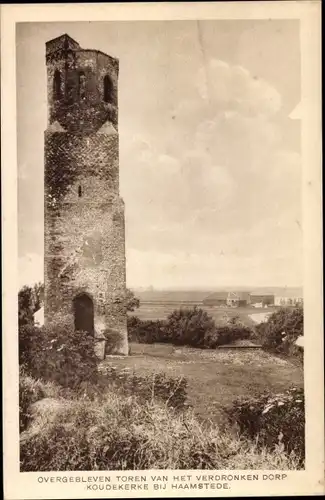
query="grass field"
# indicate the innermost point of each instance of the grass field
(215, 378)
(158, 310)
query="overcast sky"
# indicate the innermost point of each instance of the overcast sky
(209, 149)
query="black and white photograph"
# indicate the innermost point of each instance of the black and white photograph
(160, 245)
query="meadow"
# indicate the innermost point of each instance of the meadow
(215, 377)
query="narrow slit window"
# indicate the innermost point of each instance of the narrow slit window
(79, 191)
(57, 85)
(82, 85)
(108, 89)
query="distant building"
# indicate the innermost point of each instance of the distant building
(230, 299)
(237, 299)
(216, 299)
(285, 300)
(264, 299)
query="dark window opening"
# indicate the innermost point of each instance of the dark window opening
(57, 85)
(82, 85)
(70, 91)
(79, 191)
(108, 89)
(83, 313)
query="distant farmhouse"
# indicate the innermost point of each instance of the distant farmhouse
(289, 298)
(231, 299)
(258, 299)
(237, 299)
(262, 299)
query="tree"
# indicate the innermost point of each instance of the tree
(38, 295)
(25, 306)
(282, 328)
(132, 302)
(30, 300)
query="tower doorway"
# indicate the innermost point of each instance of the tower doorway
(83, 313)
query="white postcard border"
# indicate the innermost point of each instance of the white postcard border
(311, 481)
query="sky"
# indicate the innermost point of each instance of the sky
(210, 165)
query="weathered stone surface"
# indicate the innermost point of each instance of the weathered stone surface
(84, 214)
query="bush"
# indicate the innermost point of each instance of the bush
(114, 340)
(280, 332)
(132, 302)
(169, 390)
(133, 323)
(57, 354)
(146, 332)
(277, 420)
(192, 327)
(188, 326)
(223, 335)
(121, 434)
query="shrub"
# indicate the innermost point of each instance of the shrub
(280, 332)
(188, 326)
(277, 420)
(133, 323)
(169, 390)
(132, 302)
(57, 354)
(121, 434)
(192, 327)
(114, 340)
(146, 332)
(223, 335)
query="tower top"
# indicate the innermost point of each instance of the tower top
(64, 43)
(82, 87)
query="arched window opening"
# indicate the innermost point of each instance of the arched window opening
(83, 313)
(108, 89)
(57, 85)
(79, 191)
(82, 85)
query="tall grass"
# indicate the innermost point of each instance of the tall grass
(119, 433)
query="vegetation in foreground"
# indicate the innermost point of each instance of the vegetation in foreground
(87, 419)
(119, 433)
(76, 417)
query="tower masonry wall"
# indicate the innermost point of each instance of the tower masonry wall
(84, 214)
(86, 114)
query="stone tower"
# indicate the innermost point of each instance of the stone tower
(84, 214)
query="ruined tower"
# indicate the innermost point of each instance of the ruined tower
(84, 214)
